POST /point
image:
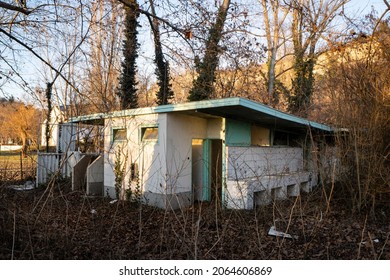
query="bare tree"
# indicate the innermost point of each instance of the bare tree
(17, 8)
(23, 27)
(273, 25)
(104, 58)
(310, 20)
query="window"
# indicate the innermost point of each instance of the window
(119, 134)
(281, 138)
(149, 133)
(260, 136)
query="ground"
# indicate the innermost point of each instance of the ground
(57, 223)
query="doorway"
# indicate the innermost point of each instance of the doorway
(207, 160)
(215, 170)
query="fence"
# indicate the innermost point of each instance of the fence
(14, 166)
(48, 165)
(55, 164)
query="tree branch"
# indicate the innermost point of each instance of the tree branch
(124, 2)
(39, 57)
(8, 6)
(180, 32)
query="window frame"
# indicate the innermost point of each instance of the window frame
(116, 129)
(143, 129)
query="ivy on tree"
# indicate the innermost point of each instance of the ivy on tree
(165, 93)
(127, 84)
(203, 86)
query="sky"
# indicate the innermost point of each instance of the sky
(364, 6)
(355, 8)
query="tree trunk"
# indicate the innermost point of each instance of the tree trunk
(310, 20)
(24, 136)
(128, 90)
(165, 92)
(203, 86)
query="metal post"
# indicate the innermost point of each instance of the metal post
(21, 165)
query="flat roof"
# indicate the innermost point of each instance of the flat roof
(234, 108)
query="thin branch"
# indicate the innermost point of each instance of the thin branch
(8, 6)
(177, 29)
(17, 74)
(39, 57)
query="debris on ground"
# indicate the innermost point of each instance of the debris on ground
(27, 186)
(273, 232)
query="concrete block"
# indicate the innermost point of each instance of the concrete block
(261, 198)
(305, 187)
(279, 193)
(95, 188)
(236, 195)
(95, 177)
(293, 190)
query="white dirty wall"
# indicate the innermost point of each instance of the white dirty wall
(95, 177)
(146, 155)
(165, 165)
(185, 160)
(256, 175)
(254, 162)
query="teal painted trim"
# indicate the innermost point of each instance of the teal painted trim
(196, 105)
(204, 104)
(238, 133)
(223, 198)
(86, 118)
(206, 188)
(161, 109)
(281, 115)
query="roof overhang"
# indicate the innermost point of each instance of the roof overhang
(234, 108)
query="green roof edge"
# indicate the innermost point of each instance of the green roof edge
(204, 104)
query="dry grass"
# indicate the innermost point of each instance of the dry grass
(14, 167)
(56, 223)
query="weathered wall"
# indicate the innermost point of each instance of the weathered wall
(181, 129)
(165, 165)
(257, 175)
(146, 155)
(48, 164)
(185, 160)
(79, 171)
(67, 134)
(95, 177)
(254, 162)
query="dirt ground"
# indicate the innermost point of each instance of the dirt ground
(56, 223)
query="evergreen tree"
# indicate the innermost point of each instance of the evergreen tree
(127, 84)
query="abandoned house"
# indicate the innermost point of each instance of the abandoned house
(234, 151)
